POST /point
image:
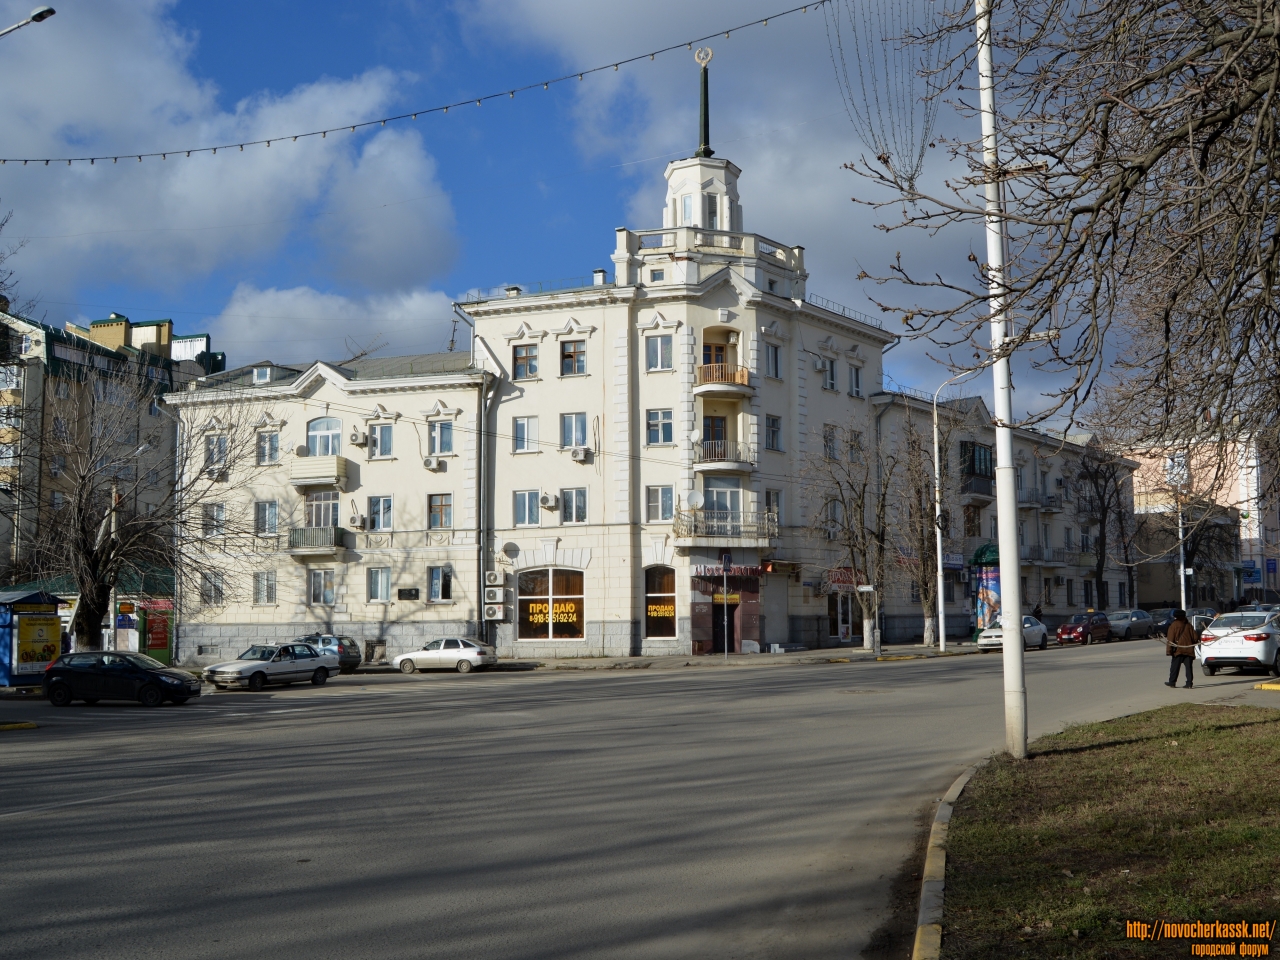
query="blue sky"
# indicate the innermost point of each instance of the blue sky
(284, 253)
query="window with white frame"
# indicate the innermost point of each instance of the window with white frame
(829, 441)
(57, 500)
(773, 503)
(573, 430)
(211, 592)
(153, 407)
(324, 437)
(827, 367)
(379, 580)
(657, 352)
(8, 454)
(772, 433)
(657, 276)
(659, 504)
(439, 584)
(573, 505)
(773, 361)
(268, 448)
(215, 451)
(322, 508)
(526, 508)
(855, 381)
(62, 390)
(264, 587)
(686, 210)
(380, 440)
(10, 377)
(524, 434)
(261, 374)
(320, 587)
(214, 519)
(379, 513)
(659, 427)
(58, 466)
(439, 438)
(266, 514)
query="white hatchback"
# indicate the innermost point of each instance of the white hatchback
(1245, 639)
(451, 653)
(1034, 634)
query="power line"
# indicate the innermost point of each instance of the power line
(184, 152)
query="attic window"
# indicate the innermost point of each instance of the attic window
(261, 374)
(773, 286)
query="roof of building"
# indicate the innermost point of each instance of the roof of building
(368, 368)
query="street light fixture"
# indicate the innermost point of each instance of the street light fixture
(38, 15)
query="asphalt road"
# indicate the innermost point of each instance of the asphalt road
(753, 812)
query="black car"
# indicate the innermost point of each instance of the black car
(1161, 617)
(349, 653)
(116, 675)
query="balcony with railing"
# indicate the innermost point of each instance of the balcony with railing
(726, 380)
(316, 541)
(727, 456)
(977, 487)
(725, 528)
(1030, 552)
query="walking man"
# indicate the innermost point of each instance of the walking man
(1180, 645)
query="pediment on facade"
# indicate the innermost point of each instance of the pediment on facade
(773, 331)
(442, 410)
(828, 347)
(854, 354)
(379, 412)
(748, 293)
(216, 424)
(268, 420)
(525, 332)
(658, 322)
(575, 328)
(320, 371)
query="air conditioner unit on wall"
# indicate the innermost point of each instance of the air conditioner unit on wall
(964, 576)
(1059, 581)
(495, 595)
(579, 454)
(495, 611)
(357, 521)
(358, 438)
(432, 463)
(494, 578)
(549, 501)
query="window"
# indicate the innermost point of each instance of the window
(828, 369)
(657, 352)
(524, 434)
(8, 454)
(324, 437)
(660, 602)
(657, 276)
(1022, 536)
(214, 519)
(573, 430)
(1071, 593)
(215, 451)
(57, 500)
(266, 515)
(659, 503)
(60, 431)
(949, 588)
(268, 448)
(321, 586)
(773, 503)
(322, 509)
(264, 587)
(773, 285)
(1104, 594)
(995, 528)
(573, 358)
(713, 353)
(550, 605)
(1046, 592)
(855, 381)
(659, 427)
(835, 519)
(440, 438)
(525, 362)
(1044, 536)
(773, 361)
(527, 508)
(1017, 478)
(439, 584)
(379, 513)
(1121, 596)
(829, 441)
(379, 580)
(772, 433)
(1086, 542)
(686, 210)
(58, 465)
(261, 374)
(153, 407)
(1176, 471)
(712, 207)
(975, 459)
(1066, 537)
(62, 390)
(1088, 593)
(440, 511)
(380, 439)
(855, 445)
(211, 589)
(573, 505)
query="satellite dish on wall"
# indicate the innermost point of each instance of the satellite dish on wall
(696, 500)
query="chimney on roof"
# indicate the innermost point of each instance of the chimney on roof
(599, 277)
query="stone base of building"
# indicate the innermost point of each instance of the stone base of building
(201, 644)
(603, 638)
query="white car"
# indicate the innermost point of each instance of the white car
(1034, 634)
(265, 663)
(1250, 640)
(451, 653)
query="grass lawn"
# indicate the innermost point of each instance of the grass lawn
(1172, 814)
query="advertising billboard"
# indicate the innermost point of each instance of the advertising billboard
(988, 600)
(38, 643)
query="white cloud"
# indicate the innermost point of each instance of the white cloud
(302, 324)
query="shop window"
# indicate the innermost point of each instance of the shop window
(550, 605)
(660, 602)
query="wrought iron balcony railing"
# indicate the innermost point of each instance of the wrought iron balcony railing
(302, 537)
(724, 451)
(726, 523)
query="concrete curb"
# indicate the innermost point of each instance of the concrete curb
(933, 881)
(27, 725)
(1269, 685)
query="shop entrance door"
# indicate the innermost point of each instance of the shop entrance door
(843, 614)
(717, 627)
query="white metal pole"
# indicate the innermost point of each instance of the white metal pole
(937, 524)
(1182, 562)
(726, 611)
(1015, 690)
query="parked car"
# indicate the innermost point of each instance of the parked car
(265, 663)
(448, 654)
(1034, 634)
(1247, 640)
(348, 651)
(1127, 624)
(1086, 628)
(1161, 617)
(109, 675)
(1201, 612)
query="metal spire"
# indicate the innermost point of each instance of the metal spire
(703, 56)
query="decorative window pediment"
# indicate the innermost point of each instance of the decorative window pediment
(773, 331)
(658, 322)
(216, 424)
(525, 332)
(575, 329)
(379, 412)
(268, 421)
(827, 347)
(440, 411)
(854, 354)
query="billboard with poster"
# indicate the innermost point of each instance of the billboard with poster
(38, 642)
(988, 600)
(156, 623)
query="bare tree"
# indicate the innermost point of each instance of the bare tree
(846, 487)
(1102, 479)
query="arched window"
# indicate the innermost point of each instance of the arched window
(549, 605)
(324, 437)
(659, 602)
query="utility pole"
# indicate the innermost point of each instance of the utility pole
(1182, 561)
(1015, 690)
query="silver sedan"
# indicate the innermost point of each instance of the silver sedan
(451, 653)
(282, 663)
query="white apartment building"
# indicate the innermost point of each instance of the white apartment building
(647, 427)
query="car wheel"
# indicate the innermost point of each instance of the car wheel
(92, 701)
(1207, 670)
(60, 695)
(150, 697)
(407, 665)
(1128, 634)
(464, 666)
(1086, 641)
(320, 676)
(257, 682)
(1044, 641)
(1275, 665)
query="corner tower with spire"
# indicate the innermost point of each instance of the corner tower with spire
(702, 191)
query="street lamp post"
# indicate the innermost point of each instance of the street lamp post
(38, 15)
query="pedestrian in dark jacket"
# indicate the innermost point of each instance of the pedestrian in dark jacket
(1180, 645)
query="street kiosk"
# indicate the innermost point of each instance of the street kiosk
(30, 636)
